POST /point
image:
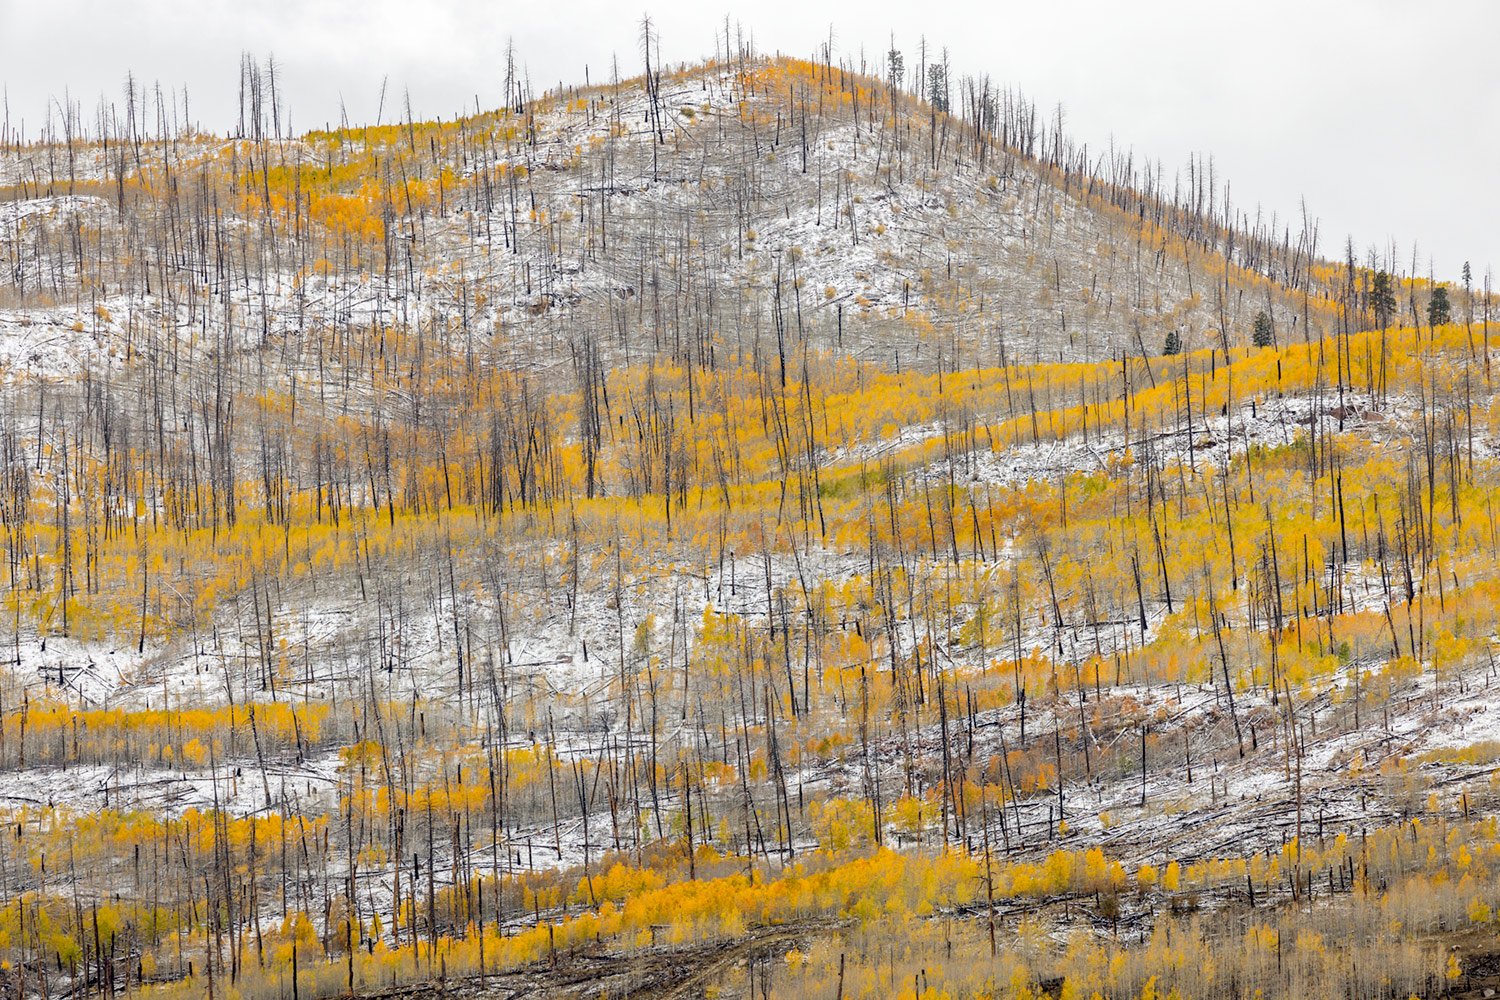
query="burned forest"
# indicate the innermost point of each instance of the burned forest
(757, 527)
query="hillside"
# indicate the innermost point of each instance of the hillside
(739, 528)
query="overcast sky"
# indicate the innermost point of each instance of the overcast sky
(1383, 114)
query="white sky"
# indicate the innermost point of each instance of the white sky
(1383, 114)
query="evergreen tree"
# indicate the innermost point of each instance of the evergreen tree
(1263, 334)
(1382, 299)
(937, 87)
(1439, 311)
(1173, 344)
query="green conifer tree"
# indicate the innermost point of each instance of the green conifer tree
(1439, 310)
(1263, 334)
(1382, 299)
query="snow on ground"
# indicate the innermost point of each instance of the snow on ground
(67, 208)
(239, 787)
